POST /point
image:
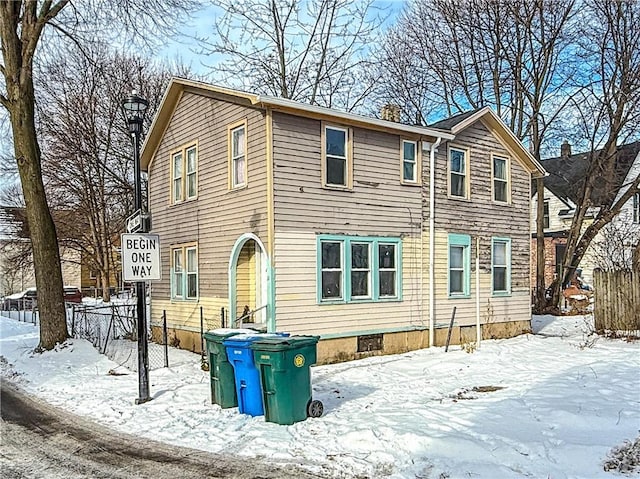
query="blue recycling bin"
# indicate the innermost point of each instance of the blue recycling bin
(247, 375)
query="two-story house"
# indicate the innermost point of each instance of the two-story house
(366, 232)
(614, 244)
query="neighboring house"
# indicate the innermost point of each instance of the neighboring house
(562, 188)
(16, 260)
(366, 232)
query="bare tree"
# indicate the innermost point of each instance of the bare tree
(86, 146)
(446, 56)
(310, 51)
(611, 48)
(23, 24)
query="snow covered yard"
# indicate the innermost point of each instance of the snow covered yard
(549, 405)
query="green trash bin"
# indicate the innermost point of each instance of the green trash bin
(223, 387)
(285, 377)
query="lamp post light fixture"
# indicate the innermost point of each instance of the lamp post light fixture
(135, 108)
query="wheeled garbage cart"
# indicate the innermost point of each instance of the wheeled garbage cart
(285, 376)
(247, 378)
(223, 389)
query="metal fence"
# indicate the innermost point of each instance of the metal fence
(112, 329)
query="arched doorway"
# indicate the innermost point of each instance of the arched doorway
(250, 284)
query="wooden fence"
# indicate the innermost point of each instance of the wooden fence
(617, 300)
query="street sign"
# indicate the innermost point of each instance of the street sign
(140, 256)
(134, 222)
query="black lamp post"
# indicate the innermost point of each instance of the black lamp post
(135, 108)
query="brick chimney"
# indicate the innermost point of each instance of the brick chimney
(390, 112)
(565, 149)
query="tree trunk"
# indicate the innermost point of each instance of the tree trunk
(44, 241)
(541, 301)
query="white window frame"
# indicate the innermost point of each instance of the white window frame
(180, 279)
(464, 174)
(382, 269)
(340, 269)
(506, 181)
(191, 173)
(181, 181)
(416, 163)
(506, 266)
(235, 157)
(367, 270)
(348, 158)
(636, 208)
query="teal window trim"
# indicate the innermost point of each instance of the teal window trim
(374, 242)
(463, 241)
(507, 242)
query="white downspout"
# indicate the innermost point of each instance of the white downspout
(478, 330)
(432, 241)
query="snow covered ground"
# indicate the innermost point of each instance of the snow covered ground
(548, 405)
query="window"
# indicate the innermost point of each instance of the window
(636, 208)
(458, 184)
(500, 179)
(184, 174)
(354, 268)
(501, 266)
(331, 270)
(410, 169)
(336, 157)
(545, 214)
(192, 185)
(184, 272)
(387, 270)
(459, 265)
(360, 270)
(238, 155)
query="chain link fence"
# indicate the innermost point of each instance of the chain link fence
(112, 329)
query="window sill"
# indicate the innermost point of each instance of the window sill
(360, 301)
(184, 300)
(239, 188)
(459, 296)
(337, 188)
(410, 183)
(182, 202)
(459, 198)
(501, 294)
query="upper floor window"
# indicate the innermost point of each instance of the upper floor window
(458, 173)
(636, 208)
(354, 268)
(410, 165)
(500, 179)
(459, 265)
(238, 155)
(336, 154)
(184, 174)
(545, 214)
(501, 266)
(184, 272)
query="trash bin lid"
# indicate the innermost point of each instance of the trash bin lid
(219, 334)
(247, 339)
(284, 343)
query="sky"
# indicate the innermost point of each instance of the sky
(546, 405)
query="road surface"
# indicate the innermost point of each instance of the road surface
(40, 441)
